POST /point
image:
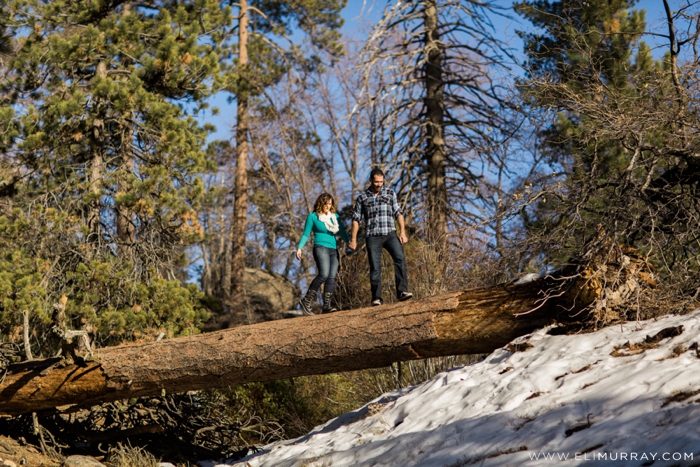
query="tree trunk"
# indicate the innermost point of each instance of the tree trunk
(94, 218)
(434, 125)
(93, 215)
(216, 252)
(124, 215)
(475, 321)
(240, 203)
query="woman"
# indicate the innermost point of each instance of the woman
(324, 223)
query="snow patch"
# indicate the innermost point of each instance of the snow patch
(566, 397)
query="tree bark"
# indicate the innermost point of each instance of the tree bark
(95, 204)
(240, 203)
(475, 321)
(435, 154)
(124, 215)
(94, 208)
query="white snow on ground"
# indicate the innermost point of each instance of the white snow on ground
(564, 401)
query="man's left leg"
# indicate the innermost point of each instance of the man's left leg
(374, 255)
(395, 249)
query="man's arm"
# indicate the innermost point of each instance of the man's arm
(341, 230)
(398, 214)
(354, 228)
(402, 229)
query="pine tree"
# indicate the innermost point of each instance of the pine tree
(579, 42)
(263, 54)
(583, 39)
(620, 145)
(107, 158)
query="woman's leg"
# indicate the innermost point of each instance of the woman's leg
(323, 265)
(329, 285)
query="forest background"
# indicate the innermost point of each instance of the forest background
(121, 214)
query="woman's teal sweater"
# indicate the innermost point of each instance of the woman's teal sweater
(321, 234)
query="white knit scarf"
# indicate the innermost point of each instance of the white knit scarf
(329, 221)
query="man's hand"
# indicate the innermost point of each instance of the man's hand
(299, 254)
(403, 238)
(354, 228)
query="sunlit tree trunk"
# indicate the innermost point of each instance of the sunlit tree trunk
(240, 203)
(96, 173)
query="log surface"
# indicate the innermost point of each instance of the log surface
(475, 321)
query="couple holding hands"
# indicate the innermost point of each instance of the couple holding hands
(377, 207)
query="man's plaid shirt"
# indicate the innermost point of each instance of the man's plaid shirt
(377, 211)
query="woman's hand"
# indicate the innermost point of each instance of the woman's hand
(299, 254)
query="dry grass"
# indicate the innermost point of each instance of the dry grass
(127, 456)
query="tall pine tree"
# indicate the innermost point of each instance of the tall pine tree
(262, 53)
(621, 143)
(582, 39)
(576, 43)
(105, 161)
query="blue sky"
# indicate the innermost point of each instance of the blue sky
(359, 14)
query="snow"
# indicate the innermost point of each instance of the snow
(566, 400)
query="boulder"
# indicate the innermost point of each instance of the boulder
(268, 296)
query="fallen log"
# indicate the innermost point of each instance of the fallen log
(468, 322)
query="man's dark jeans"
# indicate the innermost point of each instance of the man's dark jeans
(374, 253)
(327, 265)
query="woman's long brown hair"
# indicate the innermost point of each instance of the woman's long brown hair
(321, 203)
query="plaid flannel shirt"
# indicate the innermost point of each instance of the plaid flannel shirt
(377, 211)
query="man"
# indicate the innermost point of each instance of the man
(378, 207)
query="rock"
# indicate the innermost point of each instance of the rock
(165, 464)
(268, 296)
(81, 461)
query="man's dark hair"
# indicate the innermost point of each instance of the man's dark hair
(375, 171)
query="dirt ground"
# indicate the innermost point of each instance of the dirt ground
(15, 453)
